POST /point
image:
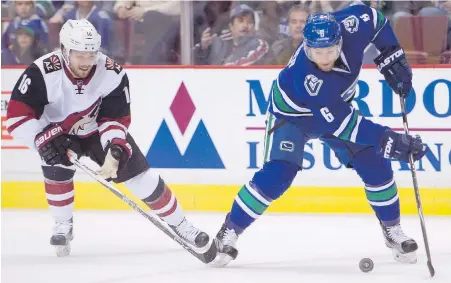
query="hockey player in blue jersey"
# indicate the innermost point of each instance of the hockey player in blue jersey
(311, 100)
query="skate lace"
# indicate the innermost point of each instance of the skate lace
(396, 234)
(187, 231)
(62, 228)
(229, 237)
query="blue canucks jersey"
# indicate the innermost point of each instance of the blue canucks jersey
(317, 101)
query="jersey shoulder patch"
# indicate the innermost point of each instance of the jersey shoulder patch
(52, 64)
(110, 64)
(312, 84)
(351, 24)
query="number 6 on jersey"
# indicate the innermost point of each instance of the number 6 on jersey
(327, 115)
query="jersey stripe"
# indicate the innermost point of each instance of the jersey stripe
(280, 102)
(284, 105)
(347, 127)
(268, 137)
(349, 93)
(356, 129)
(374, 18)
(379, 22)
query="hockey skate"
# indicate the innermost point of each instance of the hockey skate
(403, 247)
(226, 239)
(62, 235)
(191, 234)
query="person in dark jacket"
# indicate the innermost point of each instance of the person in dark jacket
(25, 14)
(25, 49)
(242, 47)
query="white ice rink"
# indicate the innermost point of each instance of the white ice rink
(123, 247)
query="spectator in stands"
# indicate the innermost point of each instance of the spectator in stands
(409, 8)
(25, 14)
(25, 49)
(242, 48)
(326, 6)
(99, 18)
(158, 22)
(64, 7)
(285, 6)
(268, 28)
(44, 8)
(283, 49)
(445, 6)
(216, 15)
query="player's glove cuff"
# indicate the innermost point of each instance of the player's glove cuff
(121, 150)
(392, 63)
(400, 146)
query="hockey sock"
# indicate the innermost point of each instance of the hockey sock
(60, 197)
(248, 205)
(151, 189)
(385, 202)
(164, 203)
(268, 184)
(380, 187)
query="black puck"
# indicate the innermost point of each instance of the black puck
(366, 264)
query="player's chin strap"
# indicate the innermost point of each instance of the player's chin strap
(415, 187)
(206, 257)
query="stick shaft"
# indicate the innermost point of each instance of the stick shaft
(417, 191)
(158, 223)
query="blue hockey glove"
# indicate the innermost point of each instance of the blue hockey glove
(392, 63)
(399, 146)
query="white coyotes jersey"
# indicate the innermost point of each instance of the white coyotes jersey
(80, 98)
(47, 93)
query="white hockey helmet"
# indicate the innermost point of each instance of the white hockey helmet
(79, 35)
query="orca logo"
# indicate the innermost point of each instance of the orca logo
(351, 24)
(312, 84)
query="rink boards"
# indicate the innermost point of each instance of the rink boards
(203, 129)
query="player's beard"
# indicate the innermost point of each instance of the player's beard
(326, 68)
(81, 72)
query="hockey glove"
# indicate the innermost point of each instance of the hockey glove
(392, 63)
(400, 146)
(52, 144)
(119, 152)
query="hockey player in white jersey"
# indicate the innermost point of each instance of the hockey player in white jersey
(77, 98)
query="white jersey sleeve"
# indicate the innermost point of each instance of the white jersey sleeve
(26, 106)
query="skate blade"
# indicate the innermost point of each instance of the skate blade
(221, 260)
(62, 251)
(410, 258)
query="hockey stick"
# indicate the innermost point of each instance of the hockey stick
(417, 192)
(206, 257)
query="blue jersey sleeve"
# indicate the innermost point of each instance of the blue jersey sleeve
(382, 33)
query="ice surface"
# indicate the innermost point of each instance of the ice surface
(123, 247)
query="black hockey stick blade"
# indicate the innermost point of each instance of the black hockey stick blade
(431, 268)
(206, 256)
